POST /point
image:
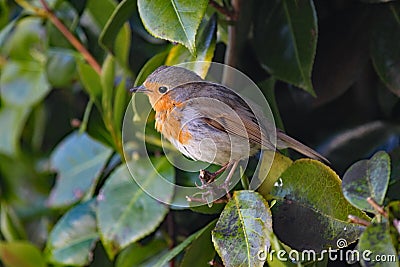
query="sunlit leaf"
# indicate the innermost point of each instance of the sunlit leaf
(74, 236)
(279, 165)
(242, 229)
(308, 201)
(285, 35)
(78, 159)
(126, 213)
(205, 46)
(176, 21)
(367, 178)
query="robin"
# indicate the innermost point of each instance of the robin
(208, 121)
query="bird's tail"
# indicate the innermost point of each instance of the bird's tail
(284, 141)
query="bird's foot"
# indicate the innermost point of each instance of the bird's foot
(207, 177)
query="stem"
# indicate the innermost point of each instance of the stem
(237, 36)
(223, 10)
(70, 37)
(356, 220)
(85, 120)
(376, 207)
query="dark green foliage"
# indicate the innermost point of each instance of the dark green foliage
(329, 69)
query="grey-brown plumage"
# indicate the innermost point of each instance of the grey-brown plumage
(215, 124)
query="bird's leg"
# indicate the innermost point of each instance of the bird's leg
(225, 185)
(207, 177)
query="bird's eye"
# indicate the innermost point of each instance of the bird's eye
(162, 89)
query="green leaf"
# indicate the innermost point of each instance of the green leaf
(367, 178)
(12, 121)
(375, 243)
(91, 81)
(74, 236)
(23, 83)
(6, 32)
(121, 100)
(125, 212)
(279, 164)
(20, 254)
(122, 47)
(175, 21)
(151, 65)
(178, 249)
(10, 225)
(205, 46)
(61, 67)
(201, 251)
(242, 229)
(79, 160)
(120, 15)
(107, 83)
(285, 37)
(308, 201)
(137, 254)
(25, 40)
(384, 53)
(272, 258)
(394, 182)
(101, 11)
(4, 13)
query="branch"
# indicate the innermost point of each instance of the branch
(71, 38)
(356, 220)
(376, 207)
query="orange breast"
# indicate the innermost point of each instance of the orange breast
(168, 120)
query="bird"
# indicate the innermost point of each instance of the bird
(209, 122)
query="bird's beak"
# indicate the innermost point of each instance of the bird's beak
(139, 89)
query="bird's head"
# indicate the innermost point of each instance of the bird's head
(162, 80)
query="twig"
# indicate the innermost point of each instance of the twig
(231, 14)
(377, 207)
(71, 38)
(356, 220)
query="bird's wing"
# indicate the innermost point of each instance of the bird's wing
(222, 109)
